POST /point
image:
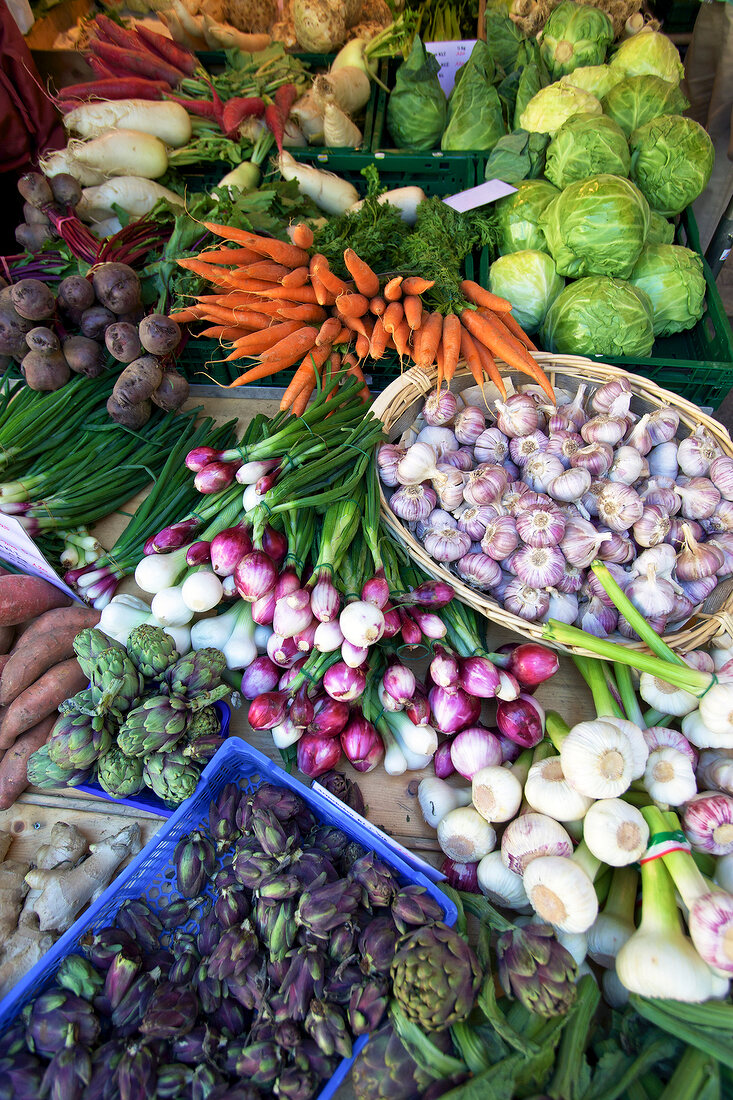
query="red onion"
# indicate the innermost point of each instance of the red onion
(327, 637)
(305, 639)
(261, 676)
(173, 536)
(376, 591)
(478, 676)
(344, 683)
(255, 575)
(149, 547)
(442, 762)
(198, 553)
(228, 548)
(301, 708)
(267, 710)
(290, 674)
(531, 664)
(453, 710)
(353, 655)
(325, 600)
(214, 477)
(418, 709)
(508, 685)
(286, 583)
(283, 651)
(274, 544)
(435, 594)
(444, 668)
(200, 457)
(329, 717)
(399, 682)
(249, 473)
(391, 622)
(521, 720)
(510, 750)
(292, 613)
(461, 876)
(316, 755)
(411, 632)
(263, 609)
(432, 626)
(361, 743)
(473, 749)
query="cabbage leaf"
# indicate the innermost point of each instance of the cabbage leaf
(417, 107)
(673, 278)
(587, 146)
(671, 162)
(636, 100)
(575, 35)
(599, 316)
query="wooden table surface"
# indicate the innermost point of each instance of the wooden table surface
(391, 800)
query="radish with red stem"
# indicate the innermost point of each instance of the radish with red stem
(235, 111)
(137, 63)
(169, 50)
(121, 87)
(276, 113)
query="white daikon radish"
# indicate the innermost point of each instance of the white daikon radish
(309, 118)
(107, 227)
(168, 121)
(328, 191)
(134, 195)
(406, 199)
(61, 161)
(349, 87)
(121, 153)
(339, 131)
(293, 136)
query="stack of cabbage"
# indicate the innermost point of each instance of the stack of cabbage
(587, 221)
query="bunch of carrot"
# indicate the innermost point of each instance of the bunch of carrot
(283, 305)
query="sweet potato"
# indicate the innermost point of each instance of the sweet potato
(13, 766)
(32, 657)
(7, 636)
(41, 699)
(24, 598)
(75, 618)
(4, 658)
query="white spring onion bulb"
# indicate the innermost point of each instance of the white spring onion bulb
(576, 943)
(261, 634)
(169, 609)
(496, 793)
(615, 832)
(666, 697)
(437, 798)
(561, 892)
(598, 759)
(158, 571)
(361, 623)
(217, 629)
(614, 993)
(286, 734)
(420, 740)
(395, 762)
(201, 591)
(500, 885)
(464, 836)
(531, 836)
(669, 777)
(715, 770)
(121, 615)
(615, 925)
(548, 792)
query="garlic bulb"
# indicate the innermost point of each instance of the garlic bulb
(615, 994)
(716, 709)
(699, 496)
(465, 836)
(715, 770)
(437, 798)
(413, 502)
(605, 395)
(627, 466)
(541, 523)
(524, 601)
(570, 485)
(561, 892)
(525, 447)
(500, 537)
(581, 542)
(711, 929)
(541, 470)
(662, 461)
(441, 439)
(659, 737)
(598, 759)
(548, 792)
(669, 777)
(652, 527)
(619, 506)
(697, 452)
(596, 458)
(388, 457)
(708, 823)
(698, 734)
(539, 566)
(440, 407)
(479, 570)
(662, 425)
(418, 464)
(484, 484)
(446, 544)
(615, 832)
(496, 793)
(500, 885)
(469, 425)
(519, 415)
(721, 475)
(666, 697)
(532, 835)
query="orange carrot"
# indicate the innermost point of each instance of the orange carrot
(501, 343)
(319, 264)
(393, 316)
(516, 330)
(268, 270)
(412, 306)
(355, 371)
(240, 280)
(401, 337)
(471, 355)
(288, 293)
(481, 297)
(324, 297)
(362, 346)
(282, 253)
(262, 370)
(378, 342)
(377, 306)
(295, 345)
(393, 289)
(328, 331)
(300, 403)
(298, 277)
(216, 275)
(367, 282)
(345, 336)
(440, 361)
(301, 235)
(184, 316)
(309, 369)
(352, 305)
(489, 365)
(223, 332)
(299, 312)
(413, 284)
(432, 331)
(257, 342)
(362, 325)
(238, 256)
(234, 316)
(451, 344)
(497, 324)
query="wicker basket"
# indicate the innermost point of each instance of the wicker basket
(399, 405)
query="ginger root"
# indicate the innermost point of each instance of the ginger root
(13, 889)
(64, 891)
(22, 951)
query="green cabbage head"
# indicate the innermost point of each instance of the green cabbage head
(671, 161)
(660, 230)
(672, 276)
(649, 52)
(519, 216)
(530, 282)
(417, 107)
(597, 226)
(587, 146)
(596, 79)
(599, 316)
(575, 35)
(552, 106)
(636, 100)
(475, 119)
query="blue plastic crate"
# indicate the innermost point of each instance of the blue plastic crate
(146, 800)
(150, 875)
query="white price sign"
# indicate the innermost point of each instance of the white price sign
(18, 548)
(479, 196)
(450, 55)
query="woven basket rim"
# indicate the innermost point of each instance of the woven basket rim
(415, 384)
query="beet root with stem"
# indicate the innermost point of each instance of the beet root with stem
(84, 356)
(75, 293)
(33, 300)
(130, 416)
(172, 392)
(138, 381)
(45, 370)
(123, 342)
(116, 286)
(42, 339)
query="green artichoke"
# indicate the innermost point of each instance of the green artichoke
(154, 726)
(151, 650)
(171, 776)
(537, 970)
(78, 740)
(384, 1070)
(43, 773)
(120, 775)
(81, 703)
(196, 672)
(78, 976)
(203, 723)
(436, 977)
(116, 685)
(89, 644)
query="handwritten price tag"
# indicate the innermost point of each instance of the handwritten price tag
(451, 56)
(19, 549)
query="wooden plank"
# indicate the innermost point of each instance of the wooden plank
(30, 821)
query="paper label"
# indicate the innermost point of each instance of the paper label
(18, 548)
(479, 196)
(450, 55)
(406, 856)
